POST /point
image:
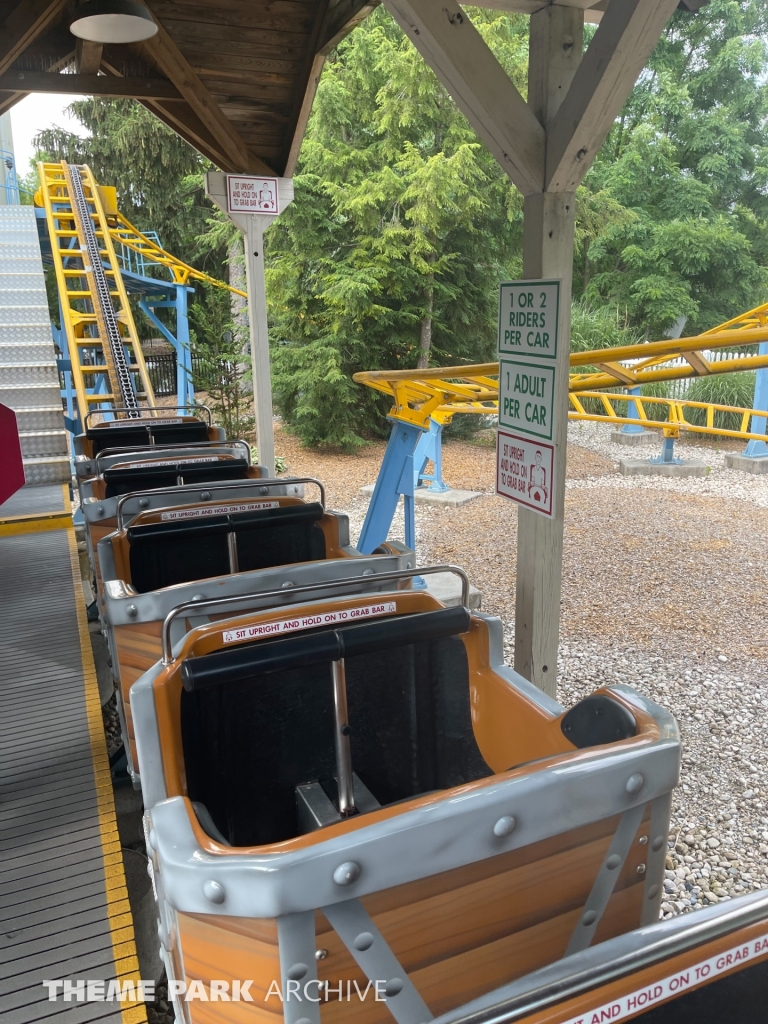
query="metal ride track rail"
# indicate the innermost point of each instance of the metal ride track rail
(107, 363)
(102, 301)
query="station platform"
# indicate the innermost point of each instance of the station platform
(64, 910)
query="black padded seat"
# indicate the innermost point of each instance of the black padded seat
(270, 727)
(164, 554)
(596, 720)
(146, 433)
(124, 480)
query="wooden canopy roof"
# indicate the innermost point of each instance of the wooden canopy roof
(235, 78)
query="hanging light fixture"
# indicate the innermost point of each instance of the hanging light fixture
(112, 21)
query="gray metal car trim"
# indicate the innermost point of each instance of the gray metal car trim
(356, 929)
(96, 510)
(164, 409)
(448, 832)
(308, 588)
(656, 855)
(225, 485)
(607, 961)
(87, 468)
(605, 881)
(366, 572)
(298, 968)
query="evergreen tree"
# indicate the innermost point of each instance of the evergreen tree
(401, 228)
(685, 169)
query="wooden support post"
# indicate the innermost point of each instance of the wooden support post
(253, 226)
(257, 314)
(548, 227)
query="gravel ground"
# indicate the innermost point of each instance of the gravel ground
(664, 588)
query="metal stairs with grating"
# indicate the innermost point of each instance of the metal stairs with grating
(29, 379)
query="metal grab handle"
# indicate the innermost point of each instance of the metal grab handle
(159, 449)
(145, 408)
(341, 732)
(216, 602)
(224, 485)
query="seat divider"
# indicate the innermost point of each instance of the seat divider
(341, 735)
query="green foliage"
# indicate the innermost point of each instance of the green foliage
(600, 327)
(224, 374)
(402, 226)
(737, 389)
(679, 191)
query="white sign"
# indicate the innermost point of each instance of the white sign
(346, 615)
(525, 471)
(174, 462)
(527, 397)
(674, 984)
(215, 510)
(248, 194)
(528, 317)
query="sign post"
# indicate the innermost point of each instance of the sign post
(527, 347)
(252, 202)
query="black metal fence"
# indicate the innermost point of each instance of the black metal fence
(162, 372)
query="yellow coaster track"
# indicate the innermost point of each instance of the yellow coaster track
(97, 319)
(441, 392)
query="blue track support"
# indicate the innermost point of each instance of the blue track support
(396, 477)
(667, 457)
(755, 449)
(185, 393)
(430, 448)
(632, 413)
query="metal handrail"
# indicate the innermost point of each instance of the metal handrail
(224, 485)
(580, 979)
(160, 449)
(147, 408)
(217, 602)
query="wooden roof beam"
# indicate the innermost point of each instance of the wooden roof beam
(25, 23)
(339, 21)
(92, 85)
(452, 46)
(88, 57)
(167, 56)
(625, 38)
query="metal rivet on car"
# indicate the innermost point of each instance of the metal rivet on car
(153, 839)
(321, 954)
(641, 869)
(657, 844)
(643, 840)
(504, 825)
(653, 892)
(198, 597)
(297, 972)
(346, 873)
(263, 490)
(287, 585)
(393, 986)
(143, 502)
(100, 510)
(635, 783)
(132, 610)
(205, 495)
(613, 862)
(363, 941)
(214, 891)
(589, 918)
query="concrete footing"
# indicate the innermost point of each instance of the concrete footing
(634, 440)
(642, 467)
(447, 588)
(745, 464)
(425, 496)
